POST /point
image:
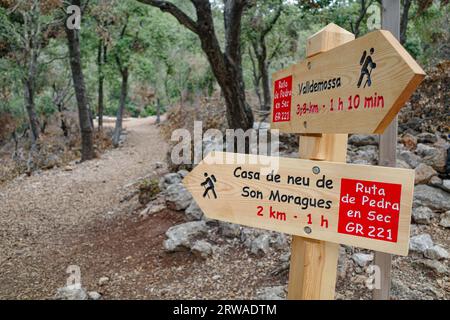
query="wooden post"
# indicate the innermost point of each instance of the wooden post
(312, 274)
(390, 20)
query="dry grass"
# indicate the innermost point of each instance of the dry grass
(430, 104)
(53, 150)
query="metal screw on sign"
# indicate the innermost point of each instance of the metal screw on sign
(316, 170)
(307, 230)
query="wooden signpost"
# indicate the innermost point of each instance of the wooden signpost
(344, 86)
(358, 205)
(357, 87)
(390, 20)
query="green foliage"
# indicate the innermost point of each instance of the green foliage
(165, 60)
(429, 31)
(147, 112)
(148, 190)
(45, 106)
(133, 109)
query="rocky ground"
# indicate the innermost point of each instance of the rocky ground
(424, 274)
(139, 234)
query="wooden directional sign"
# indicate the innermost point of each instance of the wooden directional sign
(357, 87)
(359, 205)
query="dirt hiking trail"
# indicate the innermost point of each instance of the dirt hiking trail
(41, 215)
(77, 216)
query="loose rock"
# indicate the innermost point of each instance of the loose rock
(193, 212)
(436, 253)
(445, 220)
(433, 198)
(152, 209)
(71, 293)
(446, 185)
(362, 259)
(366, 155)
(420, 243)
(260, 246)
(435, 182)
(230, 230)
(183, 173)
(433, 156)
(424, 173)
(434, 265)
(102, 281)
(272, 293)
(410, 158)
(402, 164)
(180, 237)
(426, 137)
(363, 140)
(422, 215)
(409, 141)
(342, 263)
(202, 249)
(278, 241)
(169, 179)
(178, 198)
(93, 295)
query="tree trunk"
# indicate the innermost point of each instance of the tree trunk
(31, 110)
(123, 100)
(101, 78)
(87, 145)
(256, 75)
(226, 66)
(29, 87)
(227, 69)
(64, 127)
(260, 49)
(404, 21)
(264, 72)
(100, 103)
(239, 113)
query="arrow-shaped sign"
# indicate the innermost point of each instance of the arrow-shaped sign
(357, 87)
(359, 205)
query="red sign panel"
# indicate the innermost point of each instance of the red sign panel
(369, 209)
(282, 98)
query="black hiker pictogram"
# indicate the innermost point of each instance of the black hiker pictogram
(209, 186)
(367, 65)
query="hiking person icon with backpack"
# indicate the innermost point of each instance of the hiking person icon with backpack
(367, 65)
(209, 186)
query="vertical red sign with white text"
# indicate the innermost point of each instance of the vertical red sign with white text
(282, 97)
(369, 209)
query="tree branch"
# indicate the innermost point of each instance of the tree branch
(274, 52)
(208, 38)
(362, 14)
(166, 6)
(232, 17)
(404, 21)
(273, 21)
